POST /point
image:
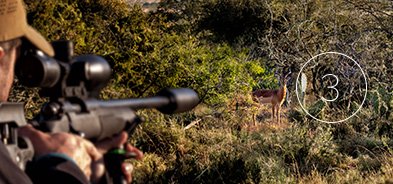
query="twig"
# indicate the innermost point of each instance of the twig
(192, 124)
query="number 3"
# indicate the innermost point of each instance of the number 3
(332, 87)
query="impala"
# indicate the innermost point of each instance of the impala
(276, 97)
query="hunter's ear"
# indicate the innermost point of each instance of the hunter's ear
(2, 53)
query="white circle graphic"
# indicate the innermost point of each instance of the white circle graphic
(297, 83)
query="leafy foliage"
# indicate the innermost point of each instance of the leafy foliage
(145, 54)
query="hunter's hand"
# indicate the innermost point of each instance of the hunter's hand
(88, 157)
(104, 146)
(82, 151)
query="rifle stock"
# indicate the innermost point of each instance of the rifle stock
(13, 116)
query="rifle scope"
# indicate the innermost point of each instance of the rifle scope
(63, 74)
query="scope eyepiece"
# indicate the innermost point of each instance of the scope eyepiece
(35, 69)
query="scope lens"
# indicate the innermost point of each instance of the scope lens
(94, 70)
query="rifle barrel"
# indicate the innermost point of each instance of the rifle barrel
(136, 103)
(167, 101)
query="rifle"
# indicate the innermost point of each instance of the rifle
(12, 117)
(73, 85)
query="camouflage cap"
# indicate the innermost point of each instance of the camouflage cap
(13, 24)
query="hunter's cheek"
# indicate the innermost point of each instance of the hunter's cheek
(6, 76)
(3, 83)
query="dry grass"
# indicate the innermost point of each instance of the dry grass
(261, 114)
(225, 146)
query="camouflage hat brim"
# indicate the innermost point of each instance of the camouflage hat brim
(38, 40)
(13, 24)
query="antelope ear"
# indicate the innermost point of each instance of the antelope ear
(276, 74)
(288, 75)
